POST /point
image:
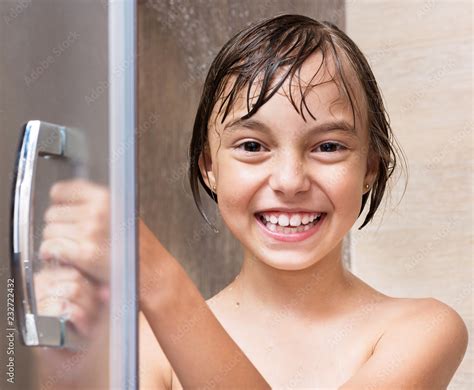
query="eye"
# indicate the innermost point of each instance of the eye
(331, 147)
(250, 146)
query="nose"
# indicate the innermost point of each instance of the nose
(289, 176)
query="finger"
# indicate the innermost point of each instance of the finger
(74, 297)
(51, 306)
(61, 230)
(88, 230)
(49, 277)
(64, 213)
(90, 259)
(104, 293)
(67, 192)
(80, 294)
(60, 274)
(49, 281)
(82, 300)
(75, 191)
(79, 318)
(76, 315)
(63, 249)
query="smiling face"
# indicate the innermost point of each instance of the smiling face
(274, 162)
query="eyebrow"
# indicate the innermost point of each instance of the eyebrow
(253, 124)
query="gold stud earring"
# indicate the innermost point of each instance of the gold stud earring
(214, 188)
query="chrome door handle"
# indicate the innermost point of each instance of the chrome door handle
(45, 140)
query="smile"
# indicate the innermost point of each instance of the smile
(289, 233)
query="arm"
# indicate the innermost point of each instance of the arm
(422, 350)
(154, 369)
(197, 346)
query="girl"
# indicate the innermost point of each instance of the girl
(292, 141)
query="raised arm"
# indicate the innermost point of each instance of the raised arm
(199, 349)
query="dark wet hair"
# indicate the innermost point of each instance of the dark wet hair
(282, 44)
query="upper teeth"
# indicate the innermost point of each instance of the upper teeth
(286, 219)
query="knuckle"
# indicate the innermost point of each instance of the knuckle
(47, 230)
(62, 210)
(89, 229)
(48, 215)
(43, 249)
(102, 215)
(78, 314)
(102, 199)
(76, 276)
(75, 290)
(54, 190)
(88, 250)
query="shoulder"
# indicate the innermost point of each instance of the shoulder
(434, 333)
(427, 316)
(422, 344)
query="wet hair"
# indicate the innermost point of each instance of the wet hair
(279, 46)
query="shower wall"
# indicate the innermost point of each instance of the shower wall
(421, 244)
(177, 41)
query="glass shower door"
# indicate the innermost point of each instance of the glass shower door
(67, 216)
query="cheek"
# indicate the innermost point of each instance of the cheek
(343, 185)
(236, 187)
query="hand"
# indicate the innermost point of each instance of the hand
(73, 277)
(76, 230)
(65, 292)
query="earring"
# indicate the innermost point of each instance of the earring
(367, 186)
(214, 188)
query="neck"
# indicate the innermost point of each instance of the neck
(309, 293)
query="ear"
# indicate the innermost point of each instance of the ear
(205, 167)
(371, 171)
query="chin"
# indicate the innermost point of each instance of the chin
(289, 262)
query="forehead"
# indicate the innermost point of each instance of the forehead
(317, 82)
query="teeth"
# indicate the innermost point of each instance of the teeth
(283, 220)
(294, 220)
(283, 223)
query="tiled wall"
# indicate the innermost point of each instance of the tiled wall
(421, 54)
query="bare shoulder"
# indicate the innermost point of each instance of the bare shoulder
(155, 369)
(430, 316)
(409, 314)
(422, 344)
